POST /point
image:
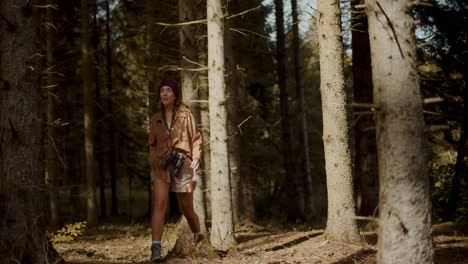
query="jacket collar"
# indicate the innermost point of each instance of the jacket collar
(181, 112)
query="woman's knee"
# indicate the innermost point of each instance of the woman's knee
(160, 205)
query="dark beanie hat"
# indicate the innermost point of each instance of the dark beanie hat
(174, 86)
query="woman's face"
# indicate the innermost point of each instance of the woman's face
(167, 96)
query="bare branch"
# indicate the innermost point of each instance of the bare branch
(181, 24)
(194, 62)
(420, 45)
(363, 105)
(433, 100)
(243, 12)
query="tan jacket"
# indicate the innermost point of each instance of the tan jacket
(183, 136)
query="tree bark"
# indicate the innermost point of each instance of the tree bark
(88, 113)
(222, 229)
(286, 136)
(188, 49)
(365, 164)
(22, 199)
(309, 200)
(232, 105)
(341, 223)
(51, 83)
(405, 215)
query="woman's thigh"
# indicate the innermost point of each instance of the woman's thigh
(185, 200)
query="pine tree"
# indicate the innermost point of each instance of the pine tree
(404, 207)
(341, 222)
(222, 229)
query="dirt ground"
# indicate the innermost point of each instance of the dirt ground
(256, 245)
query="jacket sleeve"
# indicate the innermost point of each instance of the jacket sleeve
(196, 138)
(151, 134)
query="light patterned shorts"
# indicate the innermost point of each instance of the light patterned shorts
(186, 181)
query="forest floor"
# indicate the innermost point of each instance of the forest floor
(256, 245)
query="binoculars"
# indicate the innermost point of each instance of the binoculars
(175, 158)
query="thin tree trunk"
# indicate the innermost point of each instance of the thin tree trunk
(51, 83)
(405, 215)
(202, 86)
(365, 166)
(101, 138)
(290, 178)
(222, 229)
(151, 73)
(72, 169)
(188, 51)
(309, 200)
(205, 131)
(23, 227)
(232, 105)
(341, 223)
(88, 113)
(112, 151)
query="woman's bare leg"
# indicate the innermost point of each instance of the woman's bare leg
(186, 203)
(160, 197)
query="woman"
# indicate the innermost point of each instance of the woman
(174, 157)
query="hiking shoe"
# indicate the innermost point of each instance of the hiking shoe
(156, 253)
(197, 237)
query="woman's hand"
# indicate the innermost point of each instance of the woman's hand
(195, 165)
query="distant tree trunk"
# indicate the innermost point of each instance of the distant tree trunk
(290, 178)
(365, 164)
(112, 147)
(51, 83)
(298, 74)
(202, 86)
(72, 169)
(405, 215)
(22, 203)
(460, 168)
(205, 131)
(88, 112)
(188, 49)
(222, 229)
(232, 106)
(341, 223)
(101, 138)
(151, 72)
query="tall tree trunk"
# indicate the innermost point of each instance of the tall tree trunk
(298, 74)
(365, 164)
(51, 83)
(101, 138)
(290, 178)
(232, 105)
(88, 112)
(72, 169)
(222, 229)
(22, 203)
(112, 151)
(405, 215)
(341, 223)
(151, 71)
(188, 50)
(205, 131)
